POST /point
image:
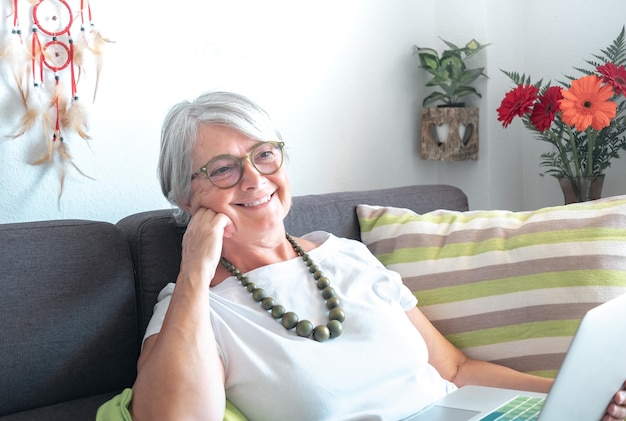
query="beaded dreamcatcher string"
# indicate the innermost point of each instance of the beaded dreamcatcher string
(47, 65)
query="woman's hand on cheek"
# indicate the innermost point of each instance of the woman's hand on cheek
(203, 240)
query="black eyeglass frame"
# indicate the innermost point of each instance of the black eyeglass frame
(240, 159)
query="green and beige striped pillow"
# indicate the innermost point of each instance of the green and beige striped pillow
(507, 287)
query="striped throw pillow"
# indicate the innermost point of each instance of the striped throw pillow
(507, 287)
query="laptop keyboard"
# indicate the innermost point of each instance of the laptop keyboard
(522, 408)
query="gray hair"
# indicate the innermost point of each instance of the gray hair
(179, 135)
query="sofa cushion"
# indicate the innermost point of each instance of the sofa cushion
(507, 287)
(68, 299)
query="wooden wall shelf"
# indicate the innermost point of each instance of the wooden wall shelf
(461, 141)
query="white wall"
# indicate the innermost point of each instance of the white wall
(338, 77)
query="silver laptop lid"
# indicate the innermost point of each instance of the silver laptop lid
(594, 367)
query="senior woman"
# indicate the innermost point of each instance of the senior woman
(286, 328)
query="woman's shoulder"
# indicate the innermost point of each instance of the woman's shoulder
(329, 243)
(325, 240)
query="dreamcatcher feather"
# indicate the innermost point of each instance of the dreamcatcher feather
(59, 148)
(35, 113)
(80, 50)
(46, 59)
(27, 122)
(66, 159)
(97, 48)
(58, 101)
(94, 41)
(16, 54)
(75, 118)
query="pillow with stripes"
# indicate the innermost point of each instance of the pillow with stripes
(507, 287)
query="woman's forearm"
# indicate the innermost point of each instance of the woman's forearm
(180, 374)
(488, 374)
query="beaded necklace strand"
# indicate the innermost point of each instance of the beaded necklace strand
(290, 319)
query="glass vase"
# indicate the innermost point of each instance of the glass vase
(581, 189)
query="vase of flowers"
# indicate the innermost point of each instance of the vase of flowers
(584, 119)
(581, 189)
(450, 131)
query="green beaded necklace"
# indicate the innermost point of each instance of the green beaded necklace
(289, 319)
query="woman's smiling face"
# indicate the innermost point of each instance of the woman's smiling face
(258, 202)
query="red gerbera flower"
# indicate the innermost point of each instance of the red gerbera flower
(517, 102)
(547, 107)
(615, 76)
(587, 103)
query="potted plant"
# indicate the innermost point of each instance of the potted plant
(584, 119)
(453, 77)
(450, 73)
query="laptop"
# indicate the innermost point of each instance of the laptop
(593, 370)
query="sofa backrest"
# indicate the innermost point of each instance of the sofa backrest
(155, 240)
(336, 212)
(68, 308)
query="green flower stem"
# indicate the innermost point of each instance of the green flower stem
(566, 163)
(575, 158)
(591, 140)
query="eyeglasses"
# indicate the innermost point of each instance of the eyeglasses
(225, 171)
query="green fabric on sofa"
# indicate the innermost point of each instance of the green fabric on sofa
(116, 409)
(508, 287)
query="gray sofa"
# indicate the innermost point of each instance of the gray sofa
(76, 295)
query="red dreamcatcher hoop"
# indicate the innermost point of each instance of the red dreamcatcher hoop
(53, 17)
(56, 55)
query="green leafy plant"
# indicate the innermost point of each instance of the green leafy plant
(450, 72)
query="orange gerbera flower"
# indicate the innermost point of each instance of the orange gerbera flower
(586, 103)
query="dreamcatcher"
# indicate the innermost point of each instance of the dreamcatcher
(47, 65)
